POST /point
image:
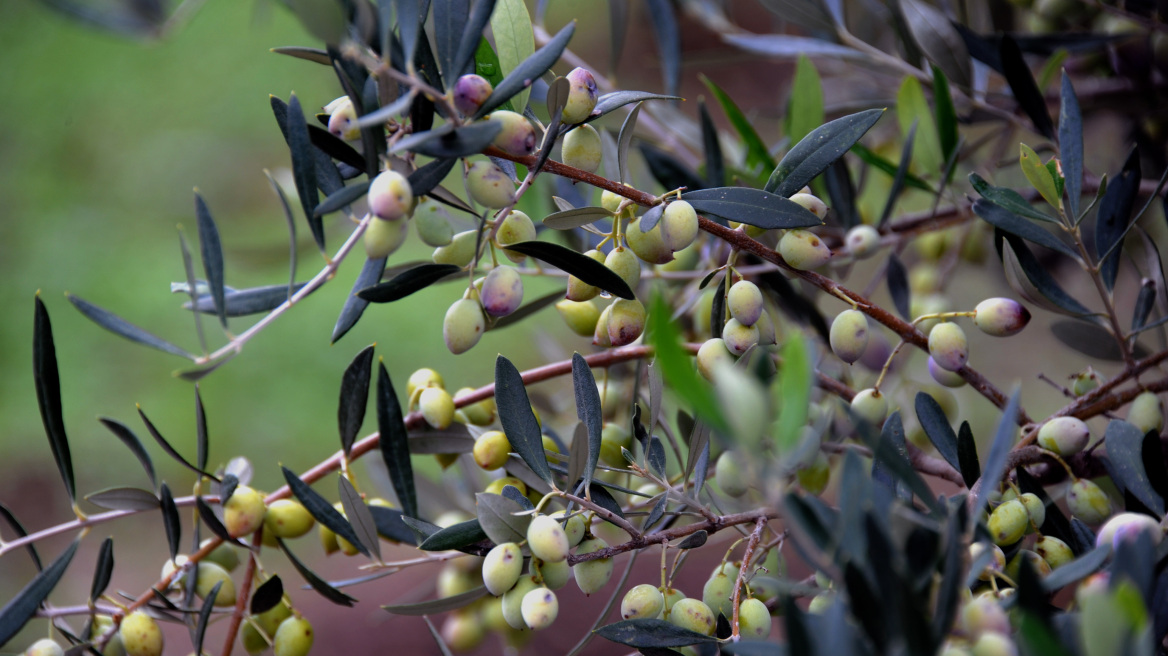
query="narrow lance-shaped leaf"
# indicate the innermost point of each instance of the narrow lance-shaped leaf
(359, 517)
(446, 142)
(1008, 199)
(758, 157)
(395, 447)
(426, 178)
(170, 520)
(1115, 213)
(1070, 136)
(48, 389)
(651, 633)
(527, 72)
(211, 251)
(341, 198)
(1033, 282)
(1000, 217)
(303, 168)
(18, 528)
(588, 409)
(170, 450)
(456, 536)
(322, 510)
(913, 107)
(438, 605)
(202, 440)
(124, 498)
(945, 114)
(715, 169)
(354, 397)
(409, 26)
(1038, 175)
(794, 389)
(123, 328)
(355, 305)
(894, 192)
(407, 282)
(472, 37)
(939, 40)
(205, 616)
(751, 206)
(805, 102)
(967, 455)
(103, 570)
(189, 270)
(581, 266)
(898, 288)
(320, 585)
(1023, 86)
(450, 18)
(514, 40)
(617, 99)
(818, 150)
(624, 140)
(677, 369)
(1124, 444)
(267, 595)
(937, 428)
(245, 302)
(995, 464)
(127, 437)
(23, 606)
(518, 420)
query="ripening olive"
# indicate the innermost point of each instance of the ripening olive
(581, 149)
(642, 601)
(342, 121)
(944, 376)
(1126, 526)
(996, 563)
(592, 575)
(459, 252)
(502, 567)
(44, 647)
(244, 512)
(293, 637)
(141, 635)
(744, 301)
(580, 317)
(694, 615)
(1146, 413)
(517, 136)
(496, 486)
(649, 246)
(463, 325)
(1001, 317)
(383, 238)
(513, 601)
(210, 574)
(547, 539)
(871, 406)
(581, 96)
(502, 291)
(983, 613)
(814, 477)
(626, 322)
(625, 264)
(754, 620)
(1035, 509)
(679, 225)
(223, 555)
(600, 335)
(1014, 567)
(804, 250)
(517, 227)
(469, 93)
(1065, 436)
(862, 241)
(738, 338)
(433, 224)
(849, 335)
(712, 352)
(481, 413)
(948, 346)
(539, 608)
(489, 186)
(390, 196)
(1054, 551)
(1088, 501)
(991, 643)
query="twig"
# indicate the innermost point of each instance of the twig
(759, 525)
(710, 526)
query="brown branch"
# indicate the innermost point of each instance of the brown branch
(241, 600)
(608, 515)
(660, 537)
(759, 525)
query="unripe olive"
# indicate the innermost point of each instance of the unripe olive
(754, 620)
(459, 252)
(1008, 522)
(502, 291)
(210, 574)
(44, 647)
(995, 565)
(1054, 551)
(671, 596)
(171, 567)
(491, 450)
(1088, 501)
(480, 413)
(554, 575)
(1146, 413)
(1126, 526)
(462, 630)
(814, 477)
(517, 136)
(502, 568)
(469, 93)
(517, 227)
(573, 526)
(390, 196)
(944, 376)
(293, 637)
(811, 203)
(694, 615)
(547, 539)
(1065, 436)
(626, 322)
(613, 438)
(270, 619)
(738, 338)
(580, 291)
(1084, 382)
(223, 555)
(489, 186)
(513, 601)
(731, 473)
(580, 317)
(642, 601)
(766, 329)
(649, 246)
(1035, 509)
(463, 326)
(679, 225)
(924, 279)
(433, 224)
(849, 335)
(718, 593)
(592, 575)
(871, 406)
(994, 644)
(611, 200)
(1001, 317)
(821, 602)
(454, 580)
(862, 241)
(496, 486)
(328, 539)
(948, 346)
(983, 613)
(625, 264)
(244, 512)
(582, 96)
(437, 407)
(342, 121)
(804, 250)
(1013, 568)
(383, 238)
(581, 149)
(600, 335)
(141, 635)
(712, 352)
(744, 301)
(539, 608)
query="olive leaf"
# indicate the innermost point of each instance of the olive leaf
(267, 595)
(48, 389)
(514, 41)
(127, 437)
(23, 606)
(408, 282)
(303, 168)
(442, 605)
(395, 448)
(588, 410)
(354, 397)
(518, 421)
(581, 266)
(815, 152)
(343, 197)
(650, 633)
(320, 585)
(123, 328)
(448, 142)
(321, 510)
(575, 217)
(170, 520)
(355, 305)
(617, 99)
(1070, 139)
(939, 40)
(1023, 86)
(1006, 220)
(455, 536)
(1008, 198)
(1115, 214)
(123, 498)
(751, 206)
(531, 69)
(758, 157)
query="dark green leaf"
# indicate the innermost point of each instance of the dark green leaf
(329, 146)
(170, 520)
(1008, 198)
(227, 487)
(804, 519)
(408, 282)
(391, 525)
(123, 498)
(1089, 339)
(804, 102)
(715, 169)
(663, 20)
(751, 206)
(530, 70)
(758, 157)
(450, 19)
(308, 54)
(18, 528)
(455, 536)
(1022, 84)
(103, 570)
(786, 46)
(1124, 443)
(1115, 213)
(655, 456)
(1076, 570)
(578, 454)
(456, 439)
(946, 113)
(617, 99)
(444, 142)
(322, 510)
(354, 397)
(581, 266)
(589, 411)
(359, 517)
(841, 193)
(995, 465)
(898, 287)
(205, 616)
(409, 19)
(317, 583)
(426, 178)
(576, 217)
(1026, 275)
(211, 251)
(867, 606)
(702, 462)
(48, 389)
(207, 515)
(693, 541)
(656, 513)
(889, 453)
(170, 449)
(952, 570)
(395, 445)
(202, 440)
(438, 605)
(123, 328)
(511, 492)
(937, 428)
(939, 40)
(132, 443)
(267, 595)
(244, 302)
(472, 36)
(304, 167)
(355, 305)
(815, 152)
(668, 171)
(23, 606)
(651, 633)
(873, 159)
(1003, 218)
(1070, 134)
(810, 14)
(906, 152)
(515, 413)
(603, 498)
(342, 198)
(624, 140)
(497, 518)
(1145, 302)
